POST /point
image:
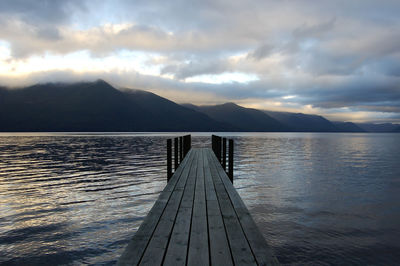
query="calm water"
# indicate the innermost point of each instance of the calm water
(318, 198)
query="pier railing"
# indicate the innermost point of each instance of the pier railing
(199, 218)
(182, 146)
(219, 148)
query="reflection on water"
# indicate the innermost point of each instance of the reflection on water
(324, 198)
(75, 199)
(317, 198)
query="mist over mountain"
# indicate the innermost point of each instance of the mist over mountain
(97, 106)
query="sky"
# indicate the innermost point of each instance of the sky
(340, 59)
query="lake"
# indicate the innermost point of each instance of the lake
(318, 198)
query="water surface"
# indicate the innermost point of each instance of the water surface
(319, 199)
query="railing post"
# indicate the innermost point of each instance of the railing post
(230, 171)
(219, 149)
(180, 149)
(184, 146)
(213, 143)
(187, 139)
(224, 153)
(169, 159)
(176, 152)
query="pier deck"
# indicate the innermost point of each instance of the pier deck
(198, 219)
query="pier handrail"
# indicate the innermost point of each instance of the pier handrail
(219, 148)
(182, 146)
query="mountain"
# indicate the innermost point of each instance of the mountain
(304, 123)
(95, 106)
(348, 127)
(379, 128)
(66, 107)
(171, 116)
(243, 119)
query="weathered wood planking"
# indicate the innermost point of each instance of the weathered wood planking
(178, 245)
(259, 246)
(198, 219)
(135, 249)
(198, 244)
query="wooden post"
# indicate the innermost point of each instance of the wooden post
(219, 148)
(230, 171)
(180, 149)
(186, 144)
(169, 159)
(183, 146)
(213, 143)
(176, 152)
(224, 153)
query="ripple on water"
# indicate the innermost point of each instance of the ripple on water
(319, 199)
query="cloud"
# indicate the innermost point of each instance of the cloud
(329, 54)
(41, 12)
(195, 68)
(261, 52)
(49, 33)
(313, 31)
(368, 93)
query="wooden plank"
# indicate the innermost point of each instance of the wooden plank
(258, 245)
(155, 250)
(198, 241)
(134, 251)
(239, 246)
(178, 245)
(198, 219)
(220, 253)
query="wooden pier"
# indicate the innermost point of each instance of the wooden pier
(198, 219)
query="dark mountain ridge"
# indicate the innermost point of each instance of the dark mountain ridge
(66, 107)
(381, 128)
(304, 123)
(244, 119)
(97, 106)
(348, 127)
(171, 116)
